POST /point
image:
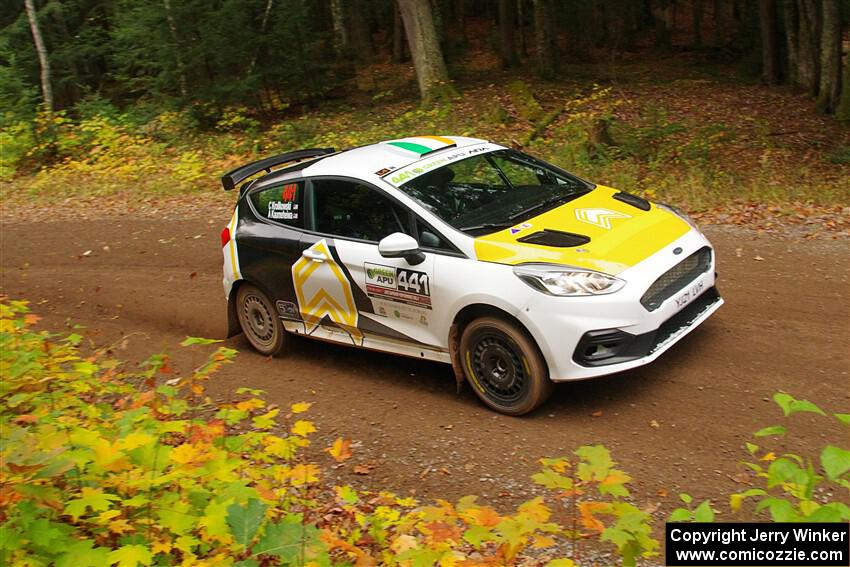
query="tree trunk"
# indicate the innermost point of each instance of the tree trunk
(398, 36)
(459, 16)
(696, 15)
(340, 31)
(808, 46)
(660, 13)
(41, 50)
(830, 57)
(178, 56)
(792, 40)
(265, 21)
(843, 110)
(360, 34)
(544, 40)
(769, 52)
(718, 23)
(425, 50)
(507, 24)
(522, 45)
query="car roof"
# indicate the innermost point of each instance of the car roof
(376, 160)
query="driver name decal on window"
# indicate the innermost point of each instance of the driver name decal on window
(282, 211)
(399, 285)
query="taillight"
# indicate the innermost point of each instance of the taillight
(225, 236)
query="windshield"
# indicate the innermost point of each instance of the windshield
(489, 192)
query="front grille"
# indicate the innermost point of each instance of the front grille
(676, 278)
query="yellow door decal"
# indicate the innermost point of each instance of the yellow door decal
(323, 290)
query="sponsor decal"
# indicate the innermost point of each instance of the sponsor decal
(323, 291)
(384, 171)
(282, 211)
(418, 169)
(399, 285)
(402, 311)
(599, 217)
(287, 309)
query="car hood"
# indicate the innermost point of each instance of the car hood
(621, 235)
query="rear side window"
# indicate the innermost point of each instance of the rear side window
(281, 203)
(349, 209)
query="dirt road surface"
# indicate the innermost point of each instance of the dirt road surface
(679, 424)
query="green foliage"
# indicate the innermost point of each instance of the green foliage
(101, 466)
(793, 488)
(791, 483)
(701, 513)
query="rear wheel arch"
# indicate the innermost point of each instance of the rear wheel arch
(233, 327)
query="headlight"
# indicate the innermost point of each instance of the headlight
(681, 214)
(566, 281)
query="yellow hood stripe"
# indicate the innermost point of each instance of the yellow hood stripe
(620, 235)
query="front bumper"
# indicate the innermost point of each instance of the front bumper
(586, 337)
(614, 346)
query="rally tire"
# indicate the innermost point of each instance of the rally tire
(503, 366)
(259, 321)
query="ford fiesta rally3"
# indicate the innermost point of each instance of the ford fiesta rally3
(514, 271)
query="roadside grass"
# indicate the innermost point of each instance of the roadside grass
(695, 140)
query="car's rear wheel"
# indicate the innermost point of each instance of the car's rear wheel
(504, 366)
(259, 321)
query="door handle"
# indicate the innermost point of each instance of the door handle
(314, 256)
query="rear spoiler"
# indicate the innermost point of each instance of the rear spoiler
(233, 178)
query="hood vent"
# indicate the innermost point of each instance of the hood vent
(555, 238)
(633, 200)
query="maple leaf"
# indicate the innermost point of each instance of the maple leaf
(404, 543)
(120, 526)
(441, 531)
(266, 421)
(363, 469)
(161, 546)
(185, 453)
(536, 509)
(300, 407)
(303, 428)
(130, 556)
(588, 520)
(542, 541)
(304, 474)
(93, 498)
(340, 450)
(83, 554)
(482, 516)
(252, 404)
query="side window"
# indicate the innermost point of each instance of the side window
(349, 209)
(281, 203)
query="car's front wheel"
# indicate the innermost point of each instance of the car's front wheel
(259, 321)
(504, 366)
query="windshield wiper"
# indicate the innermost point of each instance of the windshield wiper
(546, 204)
(486, 225)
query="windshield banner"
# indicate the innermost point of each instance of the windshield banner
(414, 170)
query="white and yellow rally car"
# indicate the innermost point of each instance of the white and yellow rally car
(515, 272)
